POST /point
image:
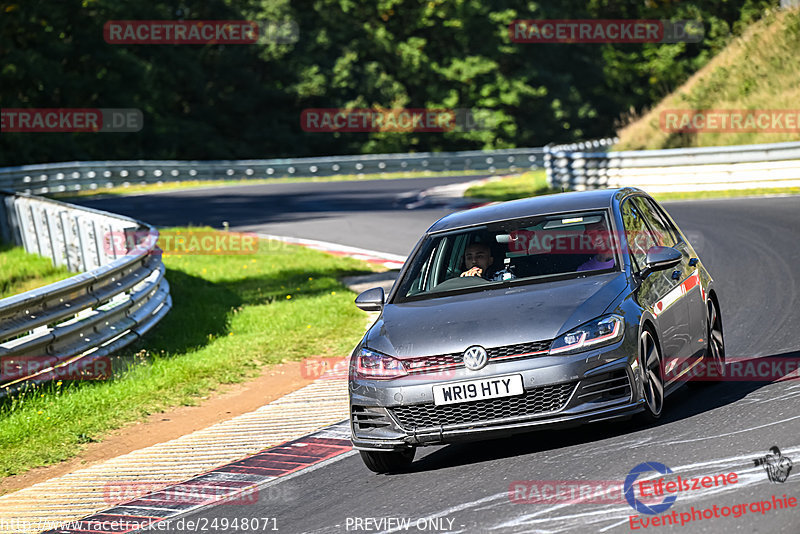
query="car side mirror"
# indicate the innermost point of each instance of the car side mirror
(371, 299)
(660, 258)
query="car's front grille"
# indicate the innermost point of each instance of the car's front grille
(455, 360)
(430, 363)
(535, 401)
(519, 350)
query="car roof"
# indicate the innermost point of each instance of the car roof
(526, 207)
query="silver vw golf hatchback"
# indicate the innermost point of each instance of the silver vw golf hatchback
(557, 310)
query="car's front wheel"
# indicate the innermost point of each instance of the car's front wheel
(652, 376)
(715, 351)
(389, 461)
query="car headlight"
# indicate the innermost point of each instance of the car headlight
(379, 366)
(597, 333)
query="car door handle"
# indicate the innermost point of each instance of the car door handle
(693, 262)
(676, 275)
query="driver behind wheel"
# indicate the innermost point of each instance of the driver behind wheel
(477, 262)
(600, 239)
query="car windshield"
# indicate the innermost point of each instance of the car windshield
(510, 252)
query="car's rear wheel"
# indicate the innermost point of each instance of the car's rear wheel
(389, 461)
(652, 376)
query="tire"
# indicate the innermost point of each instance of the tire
(715, 348)
(716, 342)
(652, 376)
(388, 462)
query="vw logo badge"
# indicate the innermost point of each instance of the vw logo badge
(475, 358)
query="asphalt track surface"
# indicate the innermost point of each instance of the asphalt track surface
(751, 248)
(356, 213)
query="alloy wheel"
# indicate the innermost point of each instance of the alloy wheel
(653, 382)
(716, 345)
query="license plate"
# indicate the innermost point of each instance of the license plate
(482, 388)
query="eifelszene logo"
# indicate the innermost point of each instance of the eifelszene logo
(636, 504)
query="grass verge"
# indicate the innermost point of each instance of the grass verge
(20, 271)
(192, 184)
(727, 193)
(528, 184)
(232, 315)
(531, 184)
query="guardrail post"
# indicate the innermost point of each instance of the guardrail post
(64, 218)
(82, 244)
(6, 213)
(547, 159)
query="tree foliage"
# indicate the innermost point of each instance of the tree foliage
(244, 101)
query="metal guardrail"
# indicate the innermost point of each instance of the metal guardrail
(584, 145)
(76, 176)
(677, 170)
(119, 297)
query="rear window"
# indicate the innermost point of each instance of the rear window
(510, 252)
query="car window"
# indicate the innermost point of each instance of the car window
(637, 234)
(662, 234)
(525, 249)
(665, 221)
(429, 272)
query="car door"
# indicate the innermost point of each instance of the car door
(660, 292)
(690, 280)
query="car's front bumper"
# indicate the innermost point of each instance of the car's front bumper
(560, 391)
(496, 429)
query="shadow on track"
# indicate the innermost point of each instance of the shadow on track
(268, 203)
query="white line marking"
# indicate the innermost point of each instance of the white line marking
(748, 197)
(326, 245)
(729, 433)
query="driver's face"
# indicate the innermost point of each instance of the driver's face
(600, 238)
(477, 256)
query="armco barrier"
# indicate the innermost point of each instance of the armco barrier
(119, 295)
(80, 175)
(677, 170)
